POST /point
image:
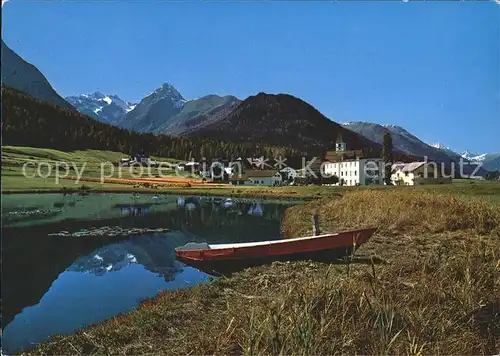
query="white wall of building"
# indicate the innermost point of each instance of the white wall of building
(356, 172)
(415, 174)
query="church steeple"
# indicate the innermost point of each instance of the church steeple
(340, 145)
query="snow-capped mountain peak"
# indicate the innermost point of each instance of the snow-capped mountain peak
(154, 110)
(473, 156)
(439, 146)
(168, 91)
(466, 155)
(106, 108)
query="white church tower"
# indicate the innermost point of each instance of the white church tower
(340, 145)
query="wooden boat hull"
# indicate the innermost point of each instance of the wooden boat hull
(225, 260)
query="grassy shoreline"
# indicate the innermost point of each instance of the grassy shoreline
(13, 181)
(21, 185)
(426, 283)
(222, 192)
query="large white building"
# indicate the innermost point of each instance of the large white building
(351, 167)
(359, 171)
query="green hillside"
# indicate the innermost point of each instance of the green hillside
(27, 121)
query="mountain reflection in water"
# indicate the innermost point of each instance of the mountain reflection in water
(58, 283)
(155, 253)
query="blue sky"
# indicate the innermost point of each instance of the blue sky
(433, 68)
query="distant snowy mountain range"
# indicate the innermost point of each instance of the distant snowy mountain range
(408, 143)
(166, 111)
(105, 108)
(402, 140)
(474, 156)
(163, 111)
(489, 161)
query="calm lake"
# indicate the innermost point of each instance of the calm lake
(70, 260)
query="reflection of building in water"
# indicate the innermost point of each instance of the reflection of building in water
(214, 219)
(189, 203)
(256, 209)
(228, 203)
(134, 210)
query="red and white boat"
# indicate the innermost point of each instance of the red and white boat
(226, 258)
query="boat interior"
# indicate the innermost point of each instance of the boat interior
(206, 246)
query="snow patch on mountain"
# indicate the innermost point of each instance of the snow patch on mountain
(474, 156)
(466, 155)
(439, 146)
(154, 253)
(105, 108)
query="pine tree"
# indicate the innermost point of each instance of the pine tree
(387, 157)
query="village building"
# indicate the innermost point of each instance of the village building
(257, 177)
(288, 174)
(417, 173)
(220, 169)
(234, 167)
(138, 158)
(312, 168)
(355, 167)
(124, 161)
(141, 158)
(192, 166)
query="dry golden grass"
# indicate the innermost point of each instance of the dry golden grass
(447, 303)
(432, 287)
(395, 212)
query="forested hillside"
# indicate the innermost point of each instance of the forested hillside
(21, 75)
(283, 120)
(28, 121)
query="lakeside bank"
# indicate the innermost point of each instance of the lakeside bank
(257, 193)
(465, 188)
(426, 283)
